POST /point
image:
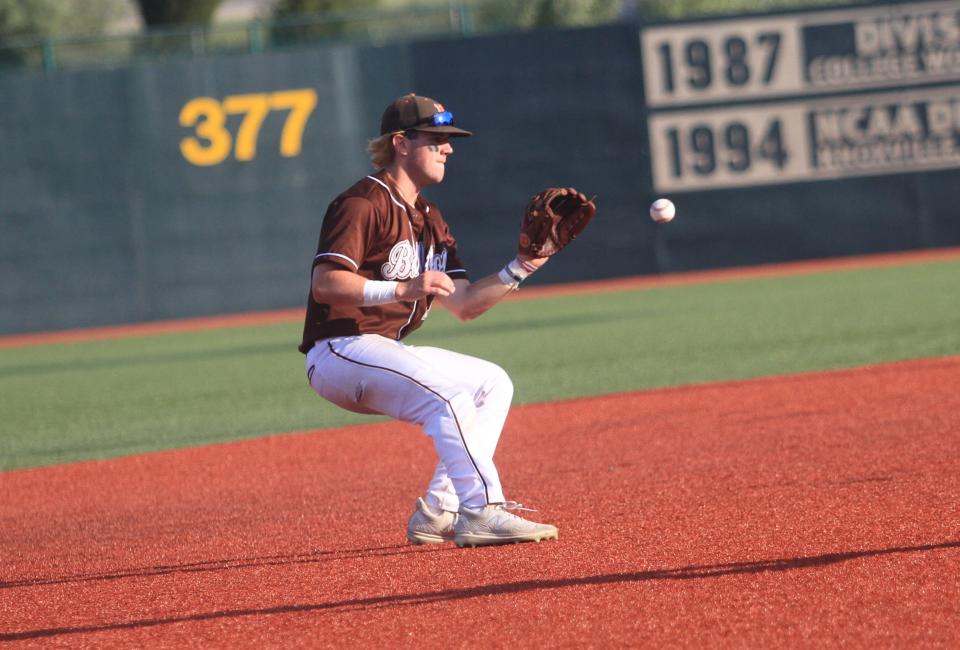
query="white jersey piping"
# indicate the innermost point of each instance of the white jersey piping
(409, 320)
(387, 188)
(337, 255)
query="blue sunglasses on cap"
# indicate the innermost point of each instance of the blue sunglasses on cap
(438, 119)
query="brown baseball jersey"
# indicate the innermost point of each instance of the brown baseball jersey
(373, 232)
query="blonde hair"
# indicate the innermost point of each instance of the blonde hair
(381, 150)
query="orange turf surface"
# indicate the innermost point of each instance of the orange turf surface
(809, 510)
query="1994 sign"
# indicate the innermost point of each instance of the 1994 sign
(717, 148)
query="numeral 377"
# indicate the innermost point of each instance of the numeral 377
(213, 141)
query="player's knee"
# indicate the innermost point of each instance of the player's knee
(463, 409)
(504, 383)
(497, 385)
(457, 407)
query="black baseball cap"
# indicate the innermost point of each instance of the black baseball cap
(416, 113)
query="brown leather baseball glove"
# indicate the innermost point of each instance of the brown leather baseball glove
(553, 218)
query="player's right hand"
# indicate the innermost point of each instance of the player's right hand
(428, 283)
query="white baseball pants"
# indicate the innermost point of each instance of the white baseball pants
(459, 401)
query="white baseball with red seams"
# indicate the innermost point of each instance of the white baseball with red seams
(663, 210)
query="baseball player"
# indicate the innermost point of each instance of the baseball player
(384, 257)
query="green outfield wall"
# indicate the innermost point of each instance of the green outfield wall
(197, 187)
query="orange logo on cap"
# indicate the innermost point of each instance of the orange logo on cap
(439, 107)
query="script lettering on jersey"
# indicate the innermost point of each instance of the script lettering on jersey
(405, 261)
(434, 262)
(402, 264)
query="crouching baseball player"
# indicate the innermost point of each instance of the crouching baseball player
(385, 255)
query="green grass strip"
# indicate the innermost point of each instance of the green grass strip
(100, 399)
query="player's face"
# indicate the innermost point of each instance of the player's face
(428, 156)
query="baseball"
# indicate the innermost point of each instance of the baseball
(662, 210)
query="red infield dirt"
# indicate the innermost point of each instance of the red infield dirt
(807, 510)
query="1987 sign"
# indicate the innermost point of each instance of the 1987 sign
(751, 58)
(724, 61)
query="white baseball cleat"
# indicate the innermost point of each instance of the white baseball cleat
(428, 527)
(495, 524)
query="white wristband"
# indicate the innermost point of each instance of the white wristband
(379, 292)
(515, 272)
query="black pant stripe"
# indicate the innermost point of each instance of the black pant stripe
(463, 441)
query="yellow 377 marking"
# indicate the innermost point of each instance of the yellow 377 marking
(212, 142)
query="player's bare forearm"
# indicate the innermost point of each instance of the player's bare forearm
(474, 298)
(334, 285)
